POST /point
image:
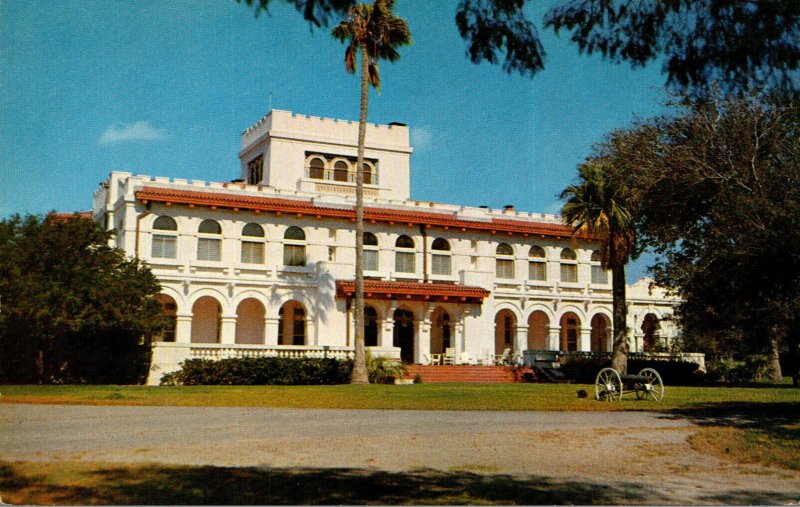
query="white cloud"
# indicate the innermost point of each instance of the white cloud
(137, 131)
(421, 137)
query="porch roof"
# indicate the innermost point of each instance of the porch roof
(414, 291)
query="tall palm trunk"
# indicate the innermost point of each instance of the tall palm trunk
(360, 374)
(619, 353)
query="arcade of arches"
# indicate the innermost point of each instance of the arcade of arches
(207, 321)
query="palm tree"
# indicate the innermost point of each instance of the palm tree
(376, 32)
(599, 206)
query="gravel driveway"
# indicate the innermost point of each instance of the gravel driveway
(623, 449)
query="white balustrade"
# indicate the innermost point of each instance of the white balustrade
(214, 351)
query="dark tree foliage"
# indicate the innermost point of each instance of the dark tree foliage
(73, 309)
(739, 44)
(495, 29)
(718, 188)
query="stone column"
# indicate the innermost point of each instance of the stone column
(183, 328)
(520, 340)
(554, 338)
(423, 339)
(227, 334)
(585, 339)
(386, 333)
(457, 337)
(271, 331)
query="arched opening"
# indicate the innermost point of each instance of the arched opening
(537, 265)
(340, 171)
(209, 241)
(440, 257)
(371, 252)
(504, 264)
(569, 266)
(206, 320)
(170, 312)
(650, 328)
(600, 333)
(538, 329)
(368, 173)
(370, 327)
(294, 247)
(570, 331)
(292, 324)
(441, 331)
(250, 322)
(316, 169)
(404, 257)
(505, 327)
(404, 334)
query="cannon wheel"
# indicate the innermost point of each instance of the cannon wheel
(608, 385)
(653, 389)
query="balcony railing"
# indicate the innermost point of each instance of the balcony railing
(332, 175)
(216, 351)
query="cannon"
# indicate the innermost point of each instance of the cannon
(609, 385)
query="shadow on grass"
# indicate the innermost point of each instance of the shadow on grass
(149, 485)
(780, 419)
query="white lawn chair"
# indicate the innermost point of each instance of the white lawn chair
(486, 358)
(467, 358)
(449, 356)
(504, 358)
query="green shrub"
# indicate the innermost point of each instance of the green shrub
(260, 371)
(732, 371)
(383, 370)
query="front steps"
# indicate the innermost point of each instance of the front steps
(468, 373)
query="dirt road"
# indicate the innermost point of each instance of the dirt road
(644, 453)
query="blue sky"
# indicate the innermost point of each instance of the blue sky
(165, 87)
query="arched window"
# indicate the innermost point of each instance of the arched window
(252, 244)
(316, 169)
(165, 243)
(440, 257)
(537, 265)
(504, 264)
(294, 247)
(569, 266)
(371, 252)
(369, 171)
(341, 170)
(404, 257)
(209, 241)
(599, 275)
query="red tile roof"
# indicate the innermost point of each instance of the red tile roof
(415, 291)
(291, 206)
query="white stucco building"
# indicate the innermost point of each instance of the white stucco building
(264, 265)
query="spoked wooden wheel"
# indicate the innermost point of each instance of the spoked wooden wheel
(608, 385)
(652, 388)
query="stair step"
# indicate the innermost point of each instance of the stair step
(471, 373)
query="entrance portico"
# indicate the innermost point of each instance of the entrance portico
(421, 318)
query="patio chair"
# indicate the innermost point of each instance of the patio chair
(449, 356)
(467, 358)
(503, 358)
(486, 358)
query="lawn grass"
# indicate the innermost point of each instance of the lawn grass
(538, 397)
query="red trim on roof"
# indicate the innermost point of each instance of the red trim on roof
(413, 291)
(278, 205)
